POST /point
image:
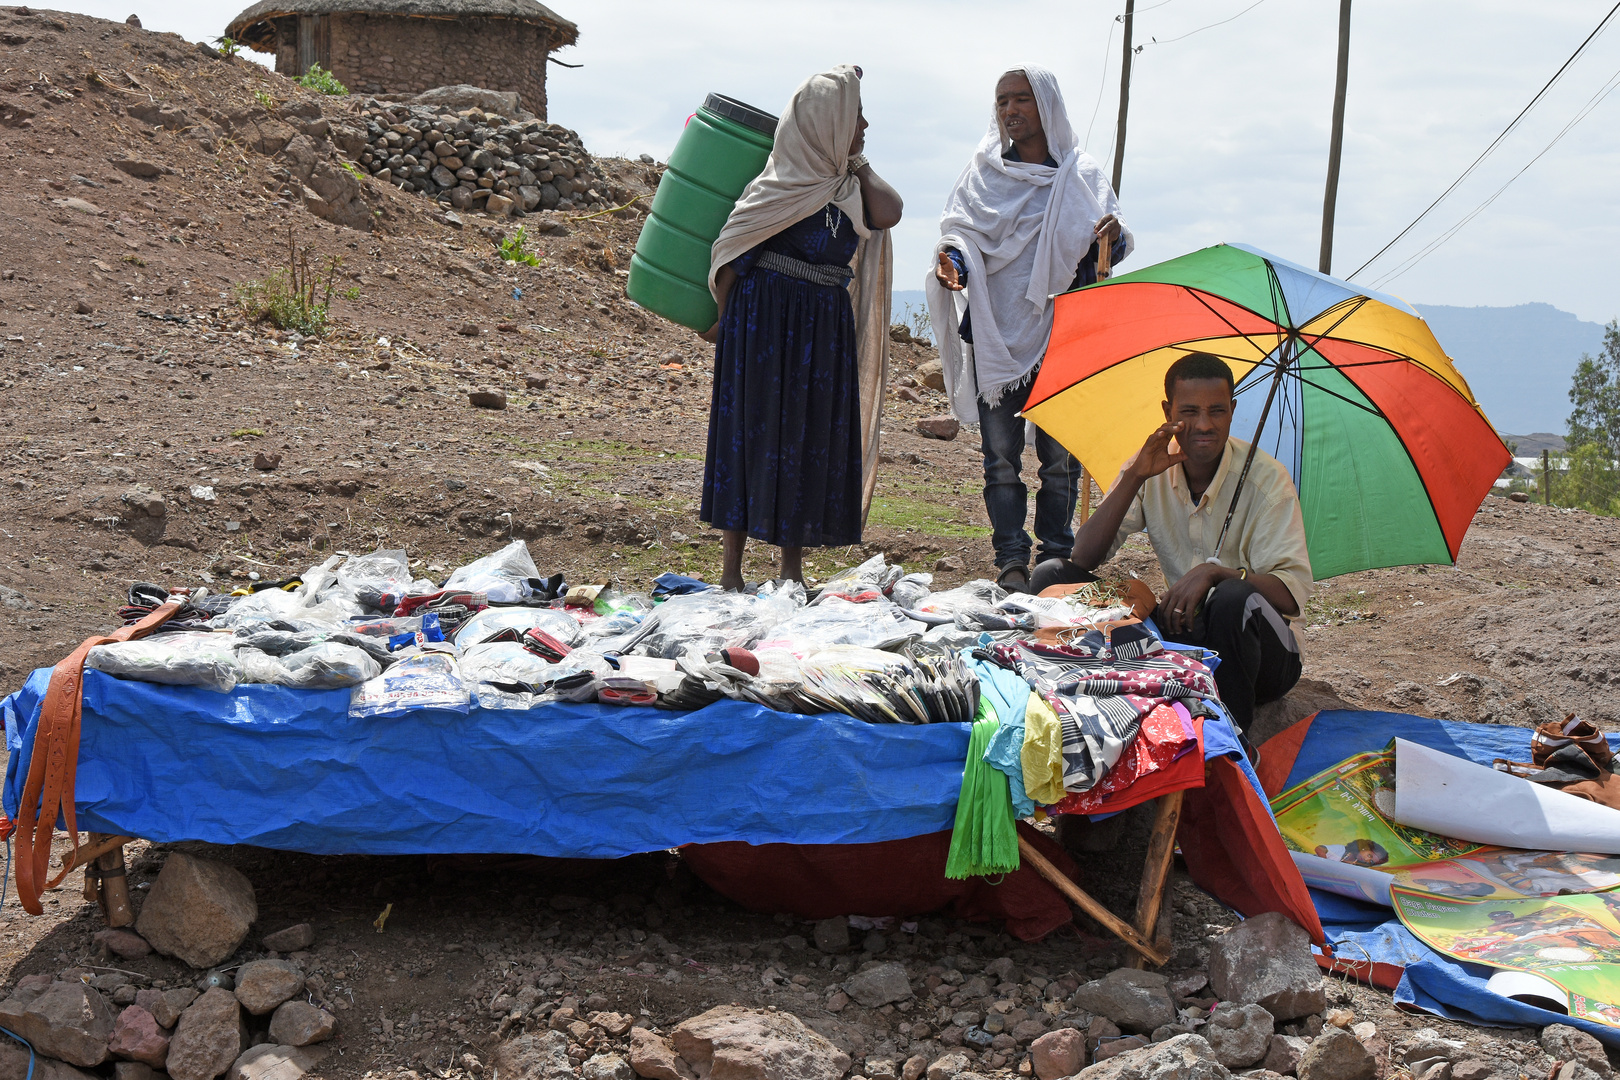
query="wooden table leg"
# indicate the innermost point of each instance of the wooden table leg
(109, 871)
(1154, 890)
(1078, 896)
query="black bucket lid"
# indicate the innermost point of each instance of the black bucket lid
(746, 115)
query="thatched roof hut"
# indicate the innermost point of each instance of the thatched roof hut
(407, 46)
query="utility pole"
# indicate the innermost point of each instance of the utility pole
(1125, 95)
(1336, 144)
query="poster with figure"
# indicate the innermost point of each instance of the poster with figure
(1571, 944)
(1338, 827)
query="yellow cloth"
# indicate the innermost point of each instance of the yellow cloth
(1043, 752)
(1267, 533)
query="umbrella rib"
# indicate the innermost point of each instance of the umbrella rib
(1197, 295)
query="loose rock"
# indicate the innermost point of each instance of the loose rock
(1283, 1054)
(15, 1060)
(939, 427)
(137, 1037)
(751, 1044)
(1240, 1035)
(210, 1037)
(880, 984)
(1186, 1057)
(270, 1062)
(70, 1021)
(541, 1056)
(931, 373)
(607, 1067)
(652, 1058)
(125, 943)
(265, 462)
(488, 398)
(1058, 1053)
(1138, 1001)
(301, 936)
(199, 911)
(1337, 1055)
(264, 984)
(298, 1023)
(1564, 1043)
(832, 935)
(1267, 961)
(948, 1067)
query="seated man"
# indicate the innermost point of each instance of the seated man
(1240, 604)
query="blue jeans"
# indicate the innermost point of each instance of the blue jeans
(1001, 432)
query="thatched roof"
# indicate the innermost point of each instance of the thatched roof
(253, 29)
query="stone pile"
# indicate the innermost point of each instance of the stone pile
(256, 1025)
(473, 160)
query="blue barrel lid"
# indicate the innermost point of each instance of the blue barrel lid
(744, 114)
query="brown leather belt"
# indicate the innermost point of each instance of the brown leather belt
(48, 791)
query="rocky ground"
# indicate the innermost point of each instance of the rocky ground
(153, 430)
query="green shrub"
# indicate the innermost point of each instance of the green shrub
(514, 249)
(294, 297)
(321, 81)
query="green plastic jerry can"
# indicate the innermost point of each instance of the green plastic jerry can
(725, 145)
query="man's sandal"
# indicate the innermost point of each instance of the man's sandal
(1014, 578)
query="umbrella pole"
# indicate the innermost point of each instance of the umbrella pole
(1254, 444)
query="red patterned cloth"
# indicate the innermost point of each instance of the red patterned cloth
(1168, 732)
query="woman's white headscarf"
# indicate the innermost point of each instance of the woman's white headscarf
(807, 169)
(1022, 228)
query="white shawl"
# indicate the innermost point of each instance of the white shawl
(1022, 229)
(807, 170)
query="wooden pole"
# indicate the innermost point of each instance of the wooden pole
(1085, 494)
(1125, 95)
(1546, 479)
(1156, 868)
(1330, 199)
(1078, 896)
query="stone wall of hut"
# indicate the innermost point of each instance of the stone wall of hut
(392, 54)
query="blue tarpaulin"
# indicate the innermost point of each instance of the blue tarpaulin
(290, 769)
(1366, 932)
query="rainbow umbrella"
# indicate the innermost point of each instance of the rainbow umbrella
(1347, 388)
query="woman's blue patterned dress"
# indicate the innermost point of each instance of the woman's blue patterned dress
(784, 461)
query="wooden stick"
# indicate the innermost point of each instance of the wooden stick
(1156, 867)
(1105, 259)
(1078, 896)
(99, 845)
(115, 889)
(1085, 494)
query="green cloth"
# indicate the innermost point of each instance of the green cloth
(984, 840)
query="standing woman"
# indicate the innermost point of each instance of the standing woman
(801, 273)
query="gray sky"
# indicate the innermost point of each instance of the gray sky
(1228, 128)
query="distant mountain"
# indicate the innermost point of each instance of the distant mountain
(1518, 360)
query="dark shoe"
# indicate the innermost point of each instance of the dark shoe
(1058, 572)
(1014, 578)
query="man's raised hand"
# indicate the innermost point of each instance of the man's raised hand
(946, 273)
(1156, 455)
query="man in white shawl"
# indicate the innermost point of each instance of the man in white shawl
(1023, 222)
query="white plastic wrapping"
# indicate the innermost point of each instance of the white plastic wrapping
(492, 621)
(502, 575)
(428, 680)
(503, 662)
(703, 623)
(833, 621)
(375, 574)
(329, 666)
(175, 659)
(873, 575)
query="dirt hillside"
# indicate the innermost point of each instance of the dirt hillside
(153, 430)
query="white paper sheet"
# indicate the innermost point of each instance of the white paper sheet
(1455, 797)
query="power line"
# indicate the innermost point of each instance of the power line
(1102, 83)
(1211, 26)
(1494, 142)
(1608, 88)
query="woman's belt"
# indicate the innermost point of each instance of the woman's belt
(819, 273)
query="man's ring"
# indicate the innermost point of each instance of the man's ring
(1178, 611)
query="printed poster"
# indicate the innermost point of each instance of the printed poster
(1571, 944)
(1337, 824)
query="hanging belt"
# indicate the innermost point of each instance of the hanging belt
(54, 763)
(819, 273)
